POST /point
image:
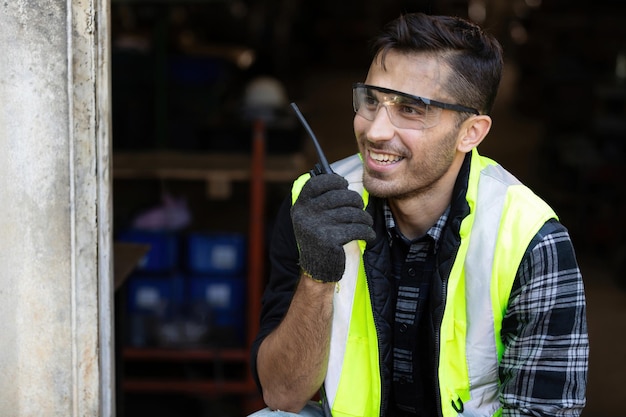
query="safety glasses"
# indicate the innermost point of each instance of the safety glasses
(405, 110)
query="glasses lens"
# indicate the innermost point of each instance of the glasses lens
(404, 112)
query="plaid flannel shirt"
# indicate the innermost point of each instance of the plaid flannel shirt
(543, 371)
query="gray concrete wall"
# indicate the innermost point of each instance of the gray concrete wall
(55, 211)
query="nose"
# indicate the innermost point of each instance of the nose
(381, 127)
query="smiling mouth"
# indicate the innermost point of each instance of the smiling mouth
(384, 158)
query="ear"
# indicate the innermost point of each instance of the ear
(473, 131)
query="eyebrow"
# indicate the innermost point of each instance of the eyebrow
(403, 98)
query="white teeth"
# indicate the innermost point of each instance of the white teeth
(384, 158)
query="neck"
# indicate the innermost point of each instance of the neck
(415, 216)
(417, 213)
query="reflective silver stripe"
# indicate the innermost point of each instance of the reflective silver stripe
(481, 349)
(351, 169)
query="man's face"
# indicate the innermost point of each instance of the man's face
(405, 162)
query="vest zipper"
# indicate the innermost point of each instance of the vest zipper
(384, 395)
(444, 293)
(437, 349)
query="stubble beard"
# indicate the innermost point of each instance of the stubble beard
(420, 180)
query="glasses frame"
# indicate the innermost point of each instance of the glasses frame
(427, 101)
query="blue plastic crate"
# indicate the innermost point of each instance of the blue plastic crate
(220, 303)
(152, 302)
(159, 296)
(216, 254)
(164, 249)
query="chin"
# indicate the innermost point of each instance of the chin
(378, 187)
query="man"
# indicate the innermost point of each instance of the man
(461, 294)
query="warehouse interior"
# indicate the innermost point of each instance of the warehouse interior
(199, 169)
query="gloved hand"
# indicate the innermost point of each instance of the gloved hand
(326, 216)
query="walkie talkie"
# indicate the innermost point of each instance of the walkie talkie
(322, 167)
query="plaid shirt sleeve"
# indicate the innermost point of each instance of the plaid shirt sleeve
(543, 371)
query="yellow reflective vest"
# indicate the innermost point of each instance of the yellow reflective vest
(504, 217)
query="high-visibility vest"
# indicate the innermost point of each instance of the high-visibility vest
(504, 217)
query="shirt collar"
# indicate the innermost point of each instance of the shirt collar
(434, 232)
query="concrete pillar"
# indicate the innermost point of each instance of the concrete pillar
(55, 210)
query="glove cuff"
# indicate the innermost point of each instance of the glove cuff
(309, 276)
(329, 270)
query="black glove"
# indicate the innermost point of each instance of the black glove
(326, 216)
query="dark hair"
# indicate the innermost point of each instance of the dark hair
(474, 56)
